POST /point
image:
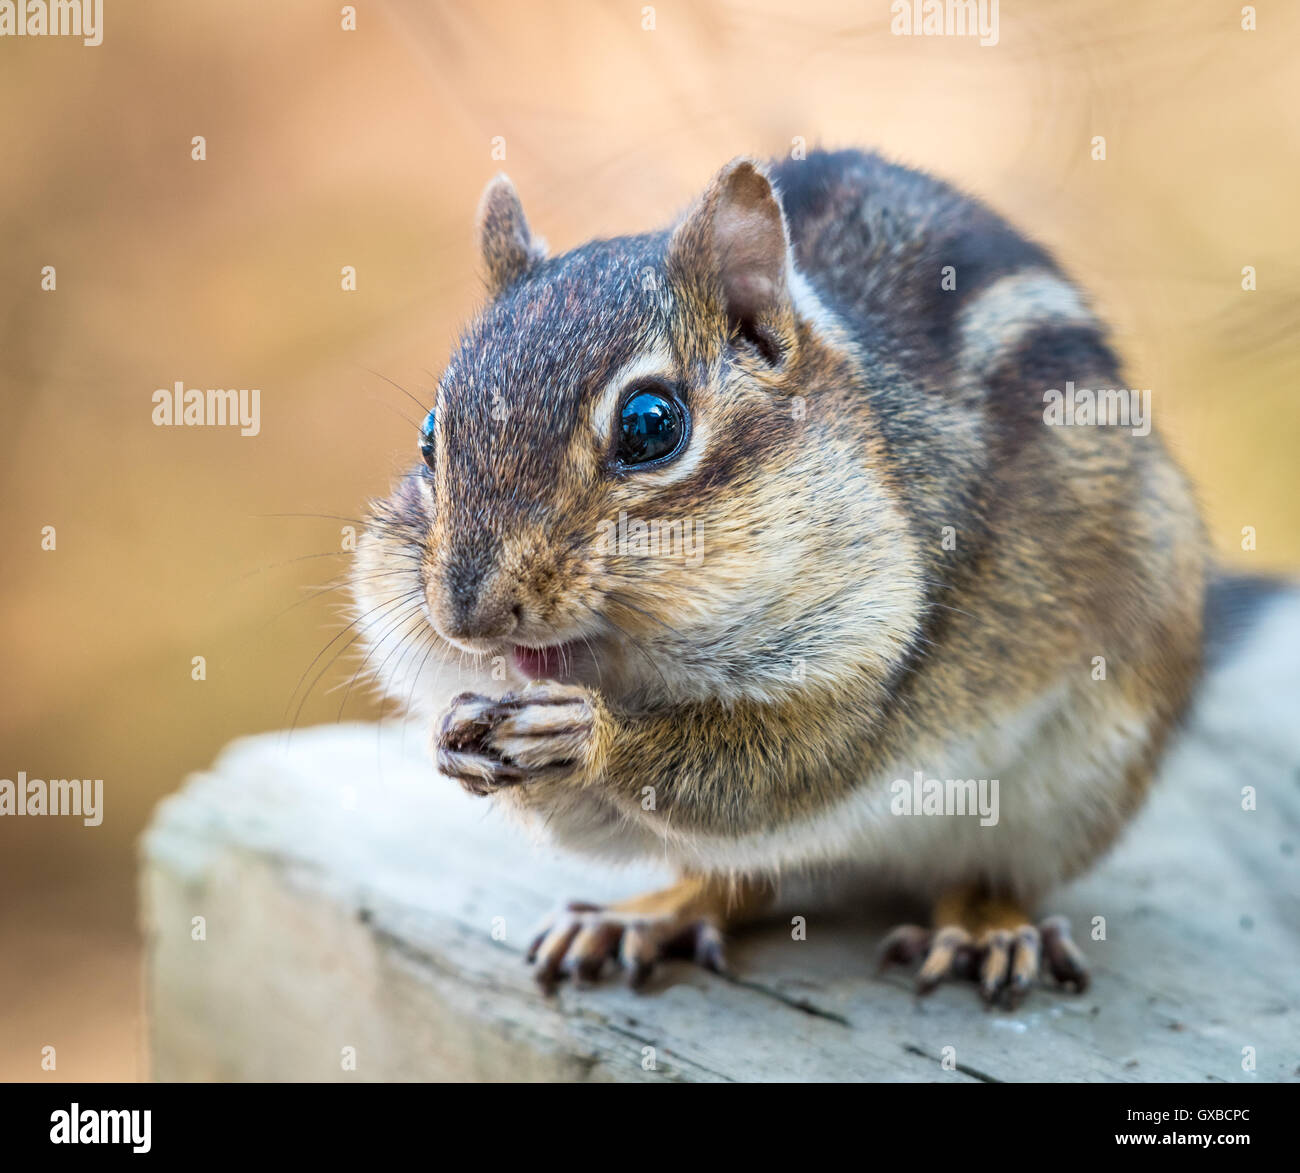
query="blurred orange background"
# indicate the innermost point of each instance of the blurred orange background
(368, 148)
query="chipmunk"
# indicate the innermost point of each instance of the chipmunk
(834, 370)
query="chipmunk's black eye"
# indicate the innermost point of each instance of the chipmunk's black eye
(651, 427)
(426, 438)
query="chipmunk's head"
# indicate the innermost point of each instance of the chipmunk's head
(620, 481)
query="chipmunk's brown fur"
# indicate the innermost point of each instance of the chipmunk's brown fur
(905, 567)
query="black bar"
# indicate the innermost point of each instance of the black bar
(330, 1122)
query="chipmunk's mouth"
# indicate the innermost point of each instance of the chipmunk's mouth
(554, 662)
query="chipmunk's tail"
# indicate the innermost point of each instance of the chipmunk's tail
(1234, 604)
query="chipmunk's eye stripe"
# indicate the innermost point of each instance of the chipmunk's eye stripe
(652, 427)
(426, 438)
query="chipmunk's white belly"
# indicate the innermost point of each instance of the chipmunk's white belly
(1060, 773)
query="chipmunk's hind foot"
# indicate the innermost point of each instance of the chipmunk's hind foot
(686, 920)
(581, 938)
(992, 943)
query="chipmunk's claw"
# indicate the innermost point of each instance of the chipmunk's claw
(581, 938)
(1005, 962)
(902, 946)
(1064, 960)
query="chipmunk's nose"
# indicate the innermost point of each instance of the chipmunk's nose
(472, 606)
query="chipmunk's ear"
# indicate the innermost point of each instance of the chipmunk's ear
(737, 235)
(508, 247)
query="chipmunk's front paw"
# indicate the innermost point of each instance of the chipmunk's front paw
(580, 938)
(544, 731)
(1005, 961)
